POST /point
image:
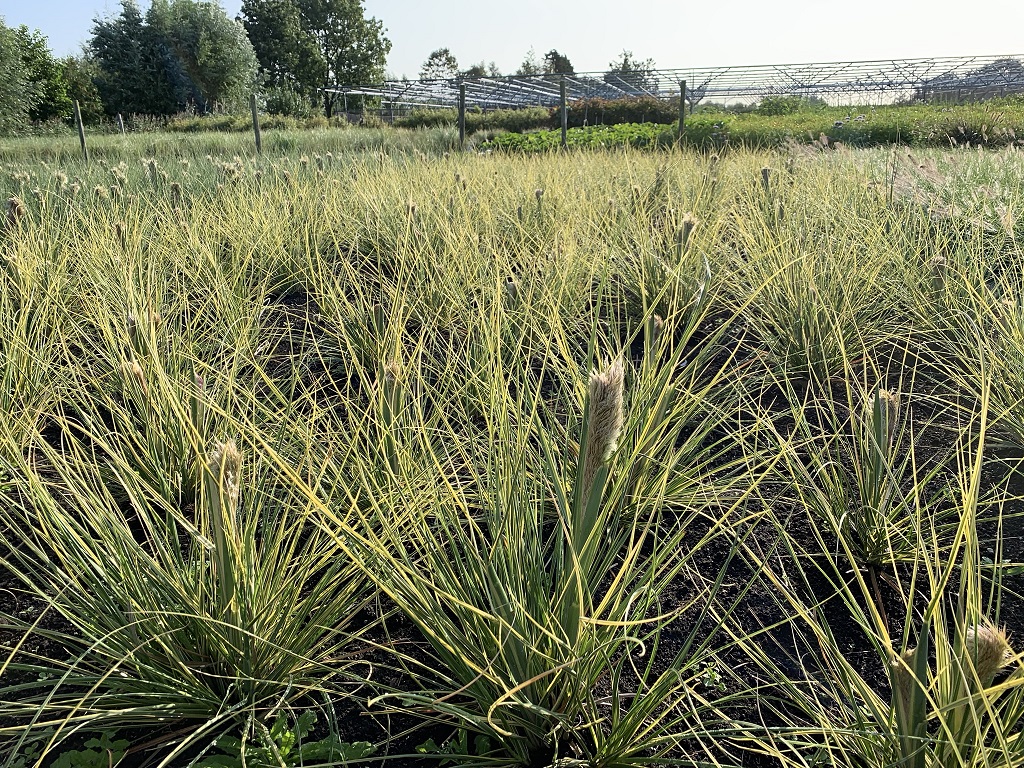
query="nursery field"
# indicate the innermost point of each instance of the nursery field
(375, 453)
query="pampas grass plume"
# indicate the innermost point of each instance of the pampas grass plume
(605, 418)
(989, 649)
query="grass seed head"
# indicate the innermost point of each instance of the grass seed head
(887, 405)
(904, 679)
(988, 648)
(16, 211)
(605, 418)
(226, 465)
(392, 371)
(134, 370)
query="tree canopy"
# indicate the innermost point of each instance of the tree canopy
(440, 65)
(308, 45)
(530, 65)
(182, 54)
(633, 71)
(556, 63)
(18, 96)
(36, 87)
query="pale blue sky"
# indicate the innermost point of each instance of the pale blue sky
(673, 33)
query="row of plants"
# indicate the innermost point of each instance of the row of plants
(917, 127)
(596, 111)
(616, 459)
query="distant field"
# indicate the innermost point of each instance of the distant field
(369, 449)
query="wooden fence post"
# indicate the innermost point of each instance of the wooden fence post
(81, 131)
(256, 124)
(462, 115)
(565, 115)
(120, 123)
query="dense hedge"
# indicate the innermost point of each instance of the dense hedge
(228, 123)
(515, 120)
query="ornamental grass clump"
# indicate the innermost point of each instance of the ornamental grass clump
(956, 688)
(203, 620)
(855, 469)
(535, 544)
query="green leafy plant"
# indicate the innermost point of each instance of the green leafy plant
(456, 749)
(285, 744)
(100, 752)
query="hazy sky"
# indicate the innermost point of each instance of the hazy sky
(673, 33)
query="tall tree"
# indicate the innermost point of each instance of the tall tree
(530, 65)
(440, 65)
(288, 55)
(18, 95)
(483, 69)
(217, 62)
(80, 74)
(556, 63)
(45, 74)
(182, 54)
(635, 73)
(133, 77)
(312, 45)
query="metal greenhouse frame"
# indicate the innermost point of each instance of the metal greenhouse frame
(951, 77)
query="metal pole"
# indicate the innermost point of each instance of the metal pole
(120, 123)
(462, 115)
(81, 131)
(256, 124)
(682, 108)
(565, 115)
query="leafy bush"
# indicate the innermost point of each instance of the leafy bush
(283, 100)
(780, 105)
(644, 109)
(514, 120)
(630, 134)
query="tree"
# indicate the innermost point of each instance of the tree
(182, 54)
(18, 95)
(209, 52)
(636, 74)
(80, 74)
(132, 72)
(34, 86)
(45, 76)
(556, 63)
(440, 65)
(530, 65)
(482, 69)
(311, 45)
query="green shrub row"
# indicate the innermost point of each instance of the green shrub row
(912, 126)
(583, 112)
(229, 123)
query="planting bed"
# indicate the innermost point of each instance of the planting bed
(399, 457)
